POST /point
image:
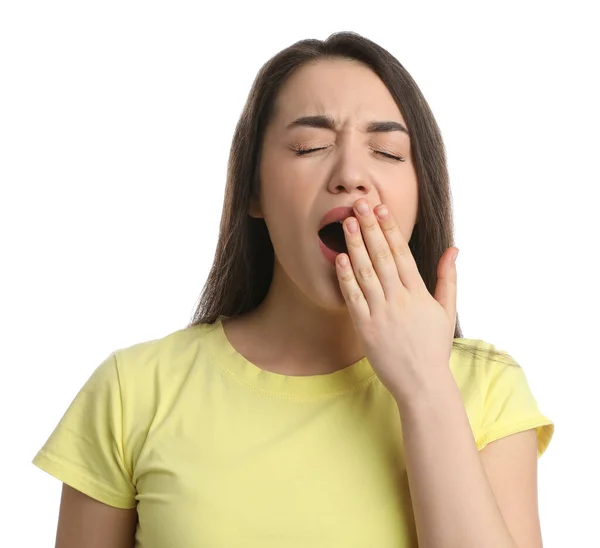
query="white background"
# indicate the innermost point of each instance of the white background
(115, 125)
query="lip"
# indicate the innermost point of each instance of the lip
(336, 214)
(329, 254)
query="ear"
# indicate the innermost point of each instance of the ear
(255, 209)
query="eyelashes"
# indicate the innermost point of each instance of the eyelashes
(302, 151)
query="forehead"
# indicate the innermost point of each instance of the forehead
(347, 90)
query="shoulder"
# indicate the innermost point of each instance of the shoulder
(153, 378)
(474, 357)
(474, 364)
(172, 354)
(150, 375)
(479, 360)
(479, 352)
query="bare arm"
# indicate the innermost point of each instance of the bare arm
(454, 501)
(84, 522)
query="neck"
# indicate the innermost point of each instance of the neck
(297, 336)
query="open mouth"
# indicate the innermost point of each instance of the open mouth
(332, 235)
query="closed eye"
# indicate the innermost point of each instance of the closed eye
(398, 158)
(302, 152)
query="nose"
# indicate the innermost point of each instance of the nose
(351, 185)
(349, 176)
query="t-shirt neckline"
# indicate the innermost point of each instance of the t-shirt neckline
(236, 366)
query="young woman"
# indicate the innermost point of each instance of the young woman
(323, 395)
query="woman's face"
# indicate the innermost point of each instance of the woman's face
(296, 191)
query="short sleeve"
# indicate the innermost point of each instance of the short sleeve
(509, 405)
(85, 450)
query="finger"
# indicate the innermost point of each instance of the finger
(378, 247)
(361, 263)
(351, 290)
(446, 286)
(405, 264)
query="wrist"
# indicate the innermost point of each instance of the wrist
(428, 392)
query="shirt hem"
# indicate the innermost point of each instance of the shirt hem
(544, 431)
(77, 481)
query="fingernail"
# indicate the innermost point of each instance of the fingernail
(362, 208)
(382, 212)
(343, 260)
(455, 255)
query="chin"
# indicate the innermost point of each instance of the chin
(329, 295)
(319, 286)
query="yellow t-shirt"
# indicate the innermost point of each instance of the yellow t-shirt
(216, 452)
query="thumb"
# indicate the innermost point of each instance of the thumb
(445, 290)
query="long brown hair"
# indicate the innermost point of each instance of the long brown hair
(242, 269)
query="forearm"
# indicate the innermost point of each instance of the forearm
(453, 503)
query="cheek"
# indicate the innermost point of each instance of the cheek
(286, 201)
(285, 195)
(284, 217)
(279, 183)
(281, 199)
(404, 205)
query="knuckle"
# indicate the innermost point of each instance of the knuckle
(382, 253)
(400, 250)
(389, 228)
(355, 243)
(355, 296)
(366, 272)
(346, 276)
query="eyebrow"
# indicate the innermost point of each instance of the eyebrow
(326, 122)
